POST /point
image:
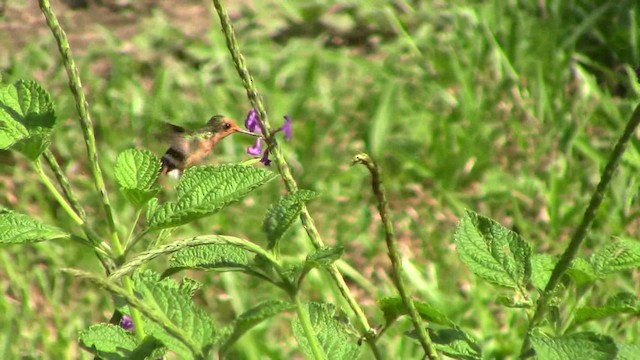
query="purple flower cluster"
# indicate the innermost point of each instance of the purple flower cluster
(252, 123)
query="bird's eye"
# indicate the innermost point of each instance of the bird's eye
(226, 126)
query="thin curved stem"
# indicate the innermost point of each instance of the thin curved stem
(64, 184)
(307, 327)
(581, 231)
(394, 253)
(61, 200)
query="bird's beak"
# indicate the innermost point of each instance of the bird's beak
(248, 133)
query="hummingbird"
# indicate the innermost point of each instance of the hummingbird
(189, 148)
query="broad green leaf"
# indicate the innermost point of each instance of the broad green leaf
(541, 267)
(335, 337)
(586, 345)
(253, 317)
(175, 302)
(628, 352)
(108, 341)
(136, 172)
(493, 252)
(204, 190)
(149, 349)
(393, 308)
(581, 272)
(617, 255)
(27, 117)
(324, 256)
(454, 343)
(208, 257)
(621, 303)
(17, 228)
(281, 216)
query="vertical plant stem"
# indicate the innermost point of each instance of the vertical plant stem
(307, 327)
(61, 200)
(85, 119)
(87, 129)
(394, 253)
(581, 231)
(64, 184)
(285, 171)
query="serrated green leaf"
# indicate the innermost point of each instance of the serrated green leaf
(108, 341)
(454, 343)
(581, 272)
(617, 255)
(253, 317)
(176, 304)
(393, 308)
(204, 190)
(586, 345)
(628, 352)
(493, 252)
(541, 267)
(17, 228)
(209, 257)
(334, 336)
(150, 349)
(621, 303)
(136, 172)
(281, 215)
(27, 117)
(324, 256)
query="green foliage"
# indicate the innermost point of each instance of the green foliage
(621, 303)
(541, 267)
(324, 256)
(204, 190)
(454, 343)
(27, 117)
(111, 342)
(335, 337)
(282, 215)
(209, 257)
(615, 256)
(136, 172)
(393, 308)
(19, 229)
(584, 345)
(493, 252)
(176, 304)
(252, 317)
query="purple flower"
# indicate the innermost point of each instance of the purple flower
(252, 123)
(126, 323)
(256, 149)
(286, 128)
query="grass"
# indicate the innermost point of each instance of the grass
(505, 108)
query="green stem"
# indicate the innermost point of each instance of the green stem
(61, 200)
(87, 129)
(285, 171)
(581, 231)
(133, 227)
(85, 119)
(64, 184)
(307, 327)
(394, 253)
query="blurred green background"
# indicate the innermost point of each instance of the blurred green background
(506, 107)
